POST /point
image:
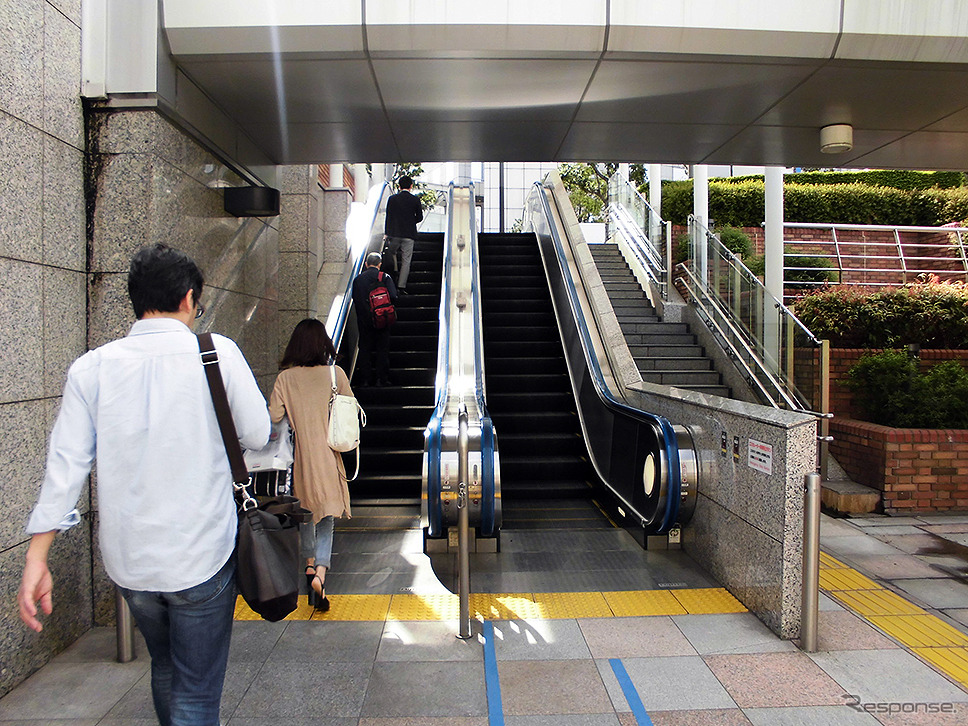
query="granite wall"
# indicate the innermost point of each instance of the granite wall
(84, 189)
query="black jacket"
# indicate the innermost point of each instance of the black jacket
(362, 285)
(403, 213)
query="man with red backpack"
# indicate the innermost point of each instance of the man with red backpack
(373, 296)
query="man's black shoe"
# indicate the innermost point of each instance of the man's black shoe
(402, 291)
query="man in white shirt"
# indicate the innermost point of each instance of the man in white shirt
(141, 407)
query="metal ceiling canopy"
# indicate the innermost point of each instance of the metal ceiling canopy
(685, 81)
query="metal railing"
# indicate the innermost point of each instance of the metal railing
(872, 255)
(779, 356)
(647, 238)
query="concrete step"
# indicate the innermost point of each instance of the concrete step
(848, 497)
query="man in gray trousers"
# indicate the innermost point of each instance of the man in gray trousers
(400, 231)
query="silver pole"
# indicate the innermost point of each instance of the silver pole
(463, 555)
(811, 564)
(125, 628)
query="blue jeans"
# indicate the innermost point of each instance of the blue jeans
(317, 542)
(187, 634)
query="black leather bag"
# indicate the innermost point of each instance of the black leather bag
(268, 555)
(267, 548)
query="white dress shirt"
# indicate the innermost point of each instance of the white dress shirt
(141, 405)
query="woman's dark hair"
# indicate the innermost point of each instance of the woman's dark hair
(309, 345)
(159, 277)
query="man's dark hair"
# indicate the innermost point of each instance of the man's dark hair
(405, 182)
(309, 345)
(159, 277)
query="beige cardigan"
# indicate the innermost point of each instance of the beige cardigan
(319, 479)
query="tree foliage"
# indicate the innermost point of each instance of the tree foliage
(587, 187)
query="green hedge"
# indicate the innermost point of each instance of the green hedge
(933, 315)
(895, 178)
(741, 204)
(891, 391)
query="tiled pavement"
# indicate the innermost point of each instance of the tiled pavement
(587, 671)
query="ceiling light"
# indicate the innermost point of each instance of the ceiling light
(836, 138)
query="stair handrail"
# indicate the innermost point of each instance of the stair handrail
(362, 243)
(639, 225)
(747, 341)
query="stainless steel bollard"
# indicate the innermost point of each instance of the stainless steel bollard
(125, 629)
(463, 554)
(811, 564)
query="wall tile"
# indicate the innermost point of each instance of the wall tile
(65, 325)
(21, 335)
(294, 223)
(22, 60)
(336, 209)
(297, 179)
(23, 442)
(70, 8)
(293, 287)
(121, 212)
(21, 168)
(64, 233)
(63, 115)
(111, 315)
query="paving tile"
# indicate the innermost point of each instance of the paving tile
(584, 719)
(825, 602)
(958, 615)
(710, 717)
(892, 530)
(809, 716)
(438, 689)
(831, 527)
(896, 566)
(634, 637)
(924, 714)
(913, 544)
(845, 631)
(937, 593)
(774, 679)
(320, 641)
(71, 690)
(861, 545)
(418, 721)
(253, 640)
(729, 633)
(101, 645)
(291, 722)
(672, 683)
(883, 520)
(539, 640)
(286, 690)
(935, 519)
(552, 687)
(942, 529)
(876, 676)
(428, 641)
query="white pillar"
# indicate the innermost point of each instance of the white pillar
(623, 169)
(361, 183)
(773, 258)
(700, 210)
(655, 201)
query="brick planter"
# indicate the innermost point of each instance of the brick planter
(916, 470)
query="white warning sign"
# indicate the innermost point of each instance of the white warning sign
(760, 456)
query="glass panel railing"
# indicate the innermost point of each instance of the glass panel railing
(642, 235)
(781, 359)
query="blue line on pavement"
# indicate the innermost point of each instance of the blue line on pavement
(495, 711)
(631, 695)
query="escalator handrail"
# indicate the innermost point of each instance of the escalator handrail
(339, 324)
(668, 437)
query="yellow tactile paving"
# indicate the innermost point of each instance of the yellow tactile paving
(708, 601)
(953, 661)
(571, 605)
(829, 562)
(919, 630)
(643, 602)
(424, 607)
(356, 607)
(845, 579)
(876, 602)
(503, 606)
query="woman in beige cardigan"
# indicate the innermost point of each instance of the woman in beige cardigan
(302, 392)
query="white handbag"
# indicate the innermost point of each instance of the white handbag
(346, 417)
(270, 468)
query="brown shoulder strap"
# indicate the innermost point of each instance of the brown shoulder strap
(230, 438)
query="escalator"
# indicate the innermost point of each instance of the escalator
(547, 477)
(392, 442)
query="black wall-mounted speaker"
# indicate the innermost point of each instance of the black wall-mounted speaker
(252, 201)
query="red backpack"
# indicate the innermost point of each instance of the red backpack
(382, 312)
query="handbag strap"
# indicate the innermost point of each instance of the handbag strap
(226, 425)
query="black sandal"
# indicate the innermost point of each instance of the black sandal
(320, 602)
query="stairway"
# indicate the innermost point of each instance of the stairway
(529, 396)
(665, 353)
(391, 444)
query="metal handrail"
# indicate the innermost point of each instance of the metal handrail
(640, 224)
